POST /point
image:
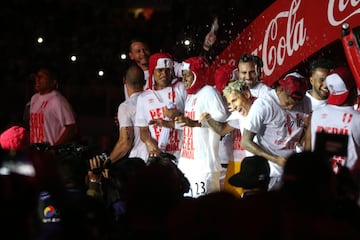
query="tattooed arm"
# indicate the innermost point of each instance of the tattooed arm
(123, 144)
(221, 128)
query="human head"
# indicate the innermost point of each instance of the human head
(161, 67)
(291, 90)
(195, 72)
(119, 174)
(309, 177)
(139, 52)
(238, 97)
(319, 69)
(254, 173)
(46, 80)
(134, 77)
(249, 69)
(222, 76)
(342, 87)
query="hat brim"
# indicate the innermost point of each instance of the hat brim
(236, 180)
(243, 181)
(338, 99)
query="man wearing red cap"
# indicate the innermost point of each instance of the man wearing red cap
(338, 117)
(199, 158)
(275, 123)
(151, 108)
(139, 52)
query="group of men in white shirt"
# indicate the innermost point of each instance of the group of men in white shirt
(274, 128)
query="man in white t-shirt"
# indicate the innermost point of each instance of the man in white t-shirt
(249, 70)
(275, 123)
(338, 117)
(199, 157)
(153, 105)
(239, 99)
(129, 142)
(52, 119)
(319, 92)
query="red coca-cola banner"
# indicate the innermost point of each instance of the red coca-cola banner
(290, 31)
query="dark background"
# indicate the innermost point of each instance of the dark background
(98, 31)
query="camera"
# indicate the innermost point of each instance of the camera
(104, 163)
(163, 159)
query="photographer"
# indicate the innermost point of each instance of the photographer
(63, 208)
(107, 183)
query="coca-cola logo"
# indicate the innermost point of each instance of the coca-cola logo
(341, 10)
(296, 29)
(276, 45)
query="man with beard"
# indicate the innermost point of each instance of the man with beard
(249, 71)
(319, 92)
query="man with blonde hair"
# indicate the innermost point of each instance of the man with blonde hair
(239, 99)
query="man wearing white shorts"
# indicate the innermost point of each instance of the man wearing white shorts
(199, 158)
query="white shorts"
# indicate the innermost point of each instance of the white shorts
(203, 184)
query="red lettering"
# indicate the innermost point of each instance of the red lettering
(157, 113)
(333, 130)
(237, 140)
(187, 149)
(173, 141)
(37, 127)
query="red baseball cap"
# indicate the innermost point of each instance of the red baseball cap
(222, 76)
(339, 82)
(295, 85)
(159, 60)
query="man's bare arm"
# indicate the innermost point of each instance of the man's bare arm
(307, 138)
(123, 144)
(221, 128)
(151, 144)
(247, 142)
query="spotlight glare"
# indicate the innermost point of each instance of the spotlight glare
(101, 73)
(73, 58)
(187, 42)
(123, 56)
(40, 40)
